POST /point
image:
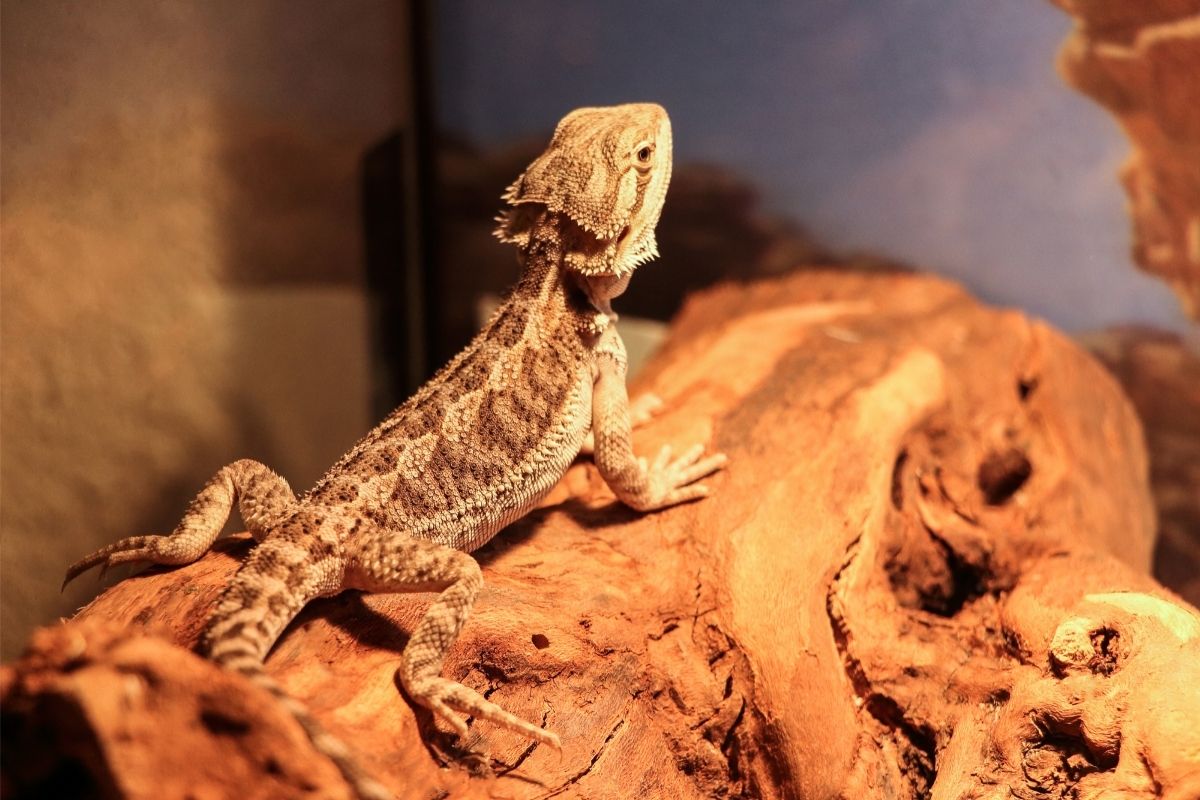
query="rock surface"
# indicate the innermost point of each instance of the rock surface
(924, 574)
(1141, 61)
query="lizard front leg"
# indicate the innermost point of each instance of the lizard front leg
(663, 483)
(262, 496)
(384, 561)
(642, 409)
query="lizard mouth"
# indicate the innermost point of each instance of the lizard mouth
(623, 246)
(592, 255)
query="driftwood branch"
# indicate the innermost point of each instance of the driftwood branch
(923, 574)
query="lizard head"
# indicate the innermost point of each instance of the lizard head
(605, 175)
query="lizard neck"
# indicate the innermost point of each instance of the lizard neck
(550, 286)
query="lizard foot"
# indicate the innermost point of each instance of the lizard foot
(443, 697)
(644, 408)
(135, 548)
(670, 482)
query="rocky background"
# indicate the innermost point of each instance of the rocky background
(1141, 61)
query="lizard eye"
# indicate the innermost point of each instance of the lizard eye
(644, 153)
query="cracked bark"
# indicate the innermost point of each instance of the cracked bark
(923, 575)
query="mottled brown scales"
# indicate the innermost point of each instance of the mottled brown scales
(475, 448)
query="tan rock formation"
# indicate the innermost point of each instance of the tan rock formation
(1141, 61)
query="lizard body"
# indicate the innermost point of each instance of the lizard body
(475, 448)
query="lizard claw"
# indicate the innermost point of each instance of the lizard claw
(443, 697)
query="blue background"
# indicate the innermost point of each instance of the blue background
(938, 133)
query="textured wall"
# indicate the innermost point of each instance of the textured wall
(182, 259)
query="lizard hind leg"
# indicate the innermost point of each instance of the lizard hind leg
(262, 498)
(383, 561)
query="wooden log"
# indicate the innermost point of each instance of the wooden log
(1160, 372)
(923, 574)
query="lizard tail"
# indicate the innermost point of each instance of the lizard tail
(364, 786)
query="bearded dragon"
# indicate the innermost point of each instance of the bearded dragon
(474, 449)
